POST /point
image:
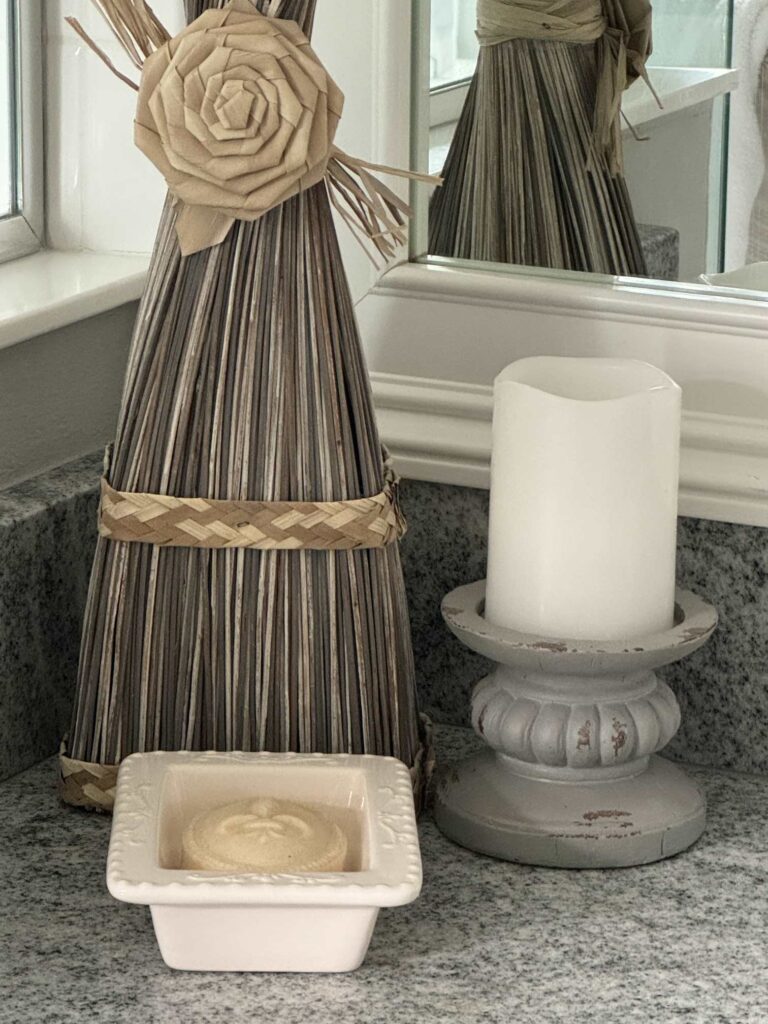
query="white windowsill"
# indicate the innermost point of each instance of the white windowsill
(51, 289)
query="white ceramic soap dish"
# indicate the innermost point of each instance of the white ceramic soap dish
(243, 922)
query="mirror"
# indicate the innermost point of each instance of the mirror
(548, 162)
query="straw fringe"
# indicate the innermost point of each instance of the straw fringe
(371, 210)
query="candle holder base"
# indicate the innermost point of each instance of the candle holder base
(488, 806)
(571, 778)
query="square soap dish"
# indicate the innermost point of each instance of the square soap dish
(206, 921)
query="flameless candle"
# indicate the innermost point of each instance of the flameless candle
(584, 485)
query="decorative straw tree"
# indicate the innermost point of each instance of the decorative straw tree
(534, 174)
(246, 591)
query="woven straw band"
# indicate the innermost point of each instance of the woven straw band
(573, 21)
(166, 521)
(87, 785)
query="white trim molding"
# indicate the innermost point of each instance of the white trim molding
(440, 431)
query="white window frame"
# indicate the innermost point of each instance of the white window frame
(446, 103)
(21, 233)
(446, 100)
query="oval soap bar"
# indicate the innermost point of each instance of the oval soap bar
(263, 836)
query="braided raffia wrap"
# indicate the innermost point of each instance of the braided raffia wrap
(82, 784)
(168, 521)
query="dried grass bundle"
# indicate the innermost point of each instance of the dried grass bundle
(246, 380)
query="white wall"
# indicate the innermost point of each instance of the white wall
(103, 194)
(684, 201)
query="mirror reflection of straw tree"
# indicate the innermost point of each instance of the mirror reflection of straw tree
(534, 173)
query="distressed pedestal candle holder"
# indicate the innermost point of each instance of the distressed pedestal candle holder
(571, 778)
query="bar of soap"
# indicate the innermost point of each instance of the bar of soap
(263, 836)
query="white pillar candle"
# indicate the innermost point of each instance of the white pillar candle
(584, 483)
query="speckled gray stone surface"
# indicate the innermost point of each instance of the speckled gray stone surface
(661, 248)
(723, 690)
(47, 534)
(445, 547)
(683, 940)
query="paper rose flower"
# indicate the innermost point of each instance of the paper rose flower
(239, 115)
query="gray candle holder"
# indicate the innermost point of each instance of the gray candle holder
(570, 778)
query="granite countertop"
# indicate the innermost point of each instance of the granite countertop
(683, 940)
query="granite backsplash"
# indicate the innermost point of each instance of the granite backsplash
(47, 533)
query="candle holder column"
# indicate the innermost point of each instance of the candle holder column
(571, 778)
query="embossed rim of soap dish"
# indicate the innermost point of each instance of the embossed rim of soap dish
(463, 610)
(393, 878)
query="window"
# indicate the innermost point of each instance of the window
(6, 151)
(453, 57)
(453, 42)
(21, 128)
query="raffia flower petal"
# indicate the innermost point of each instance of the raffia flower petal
(238, 114)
